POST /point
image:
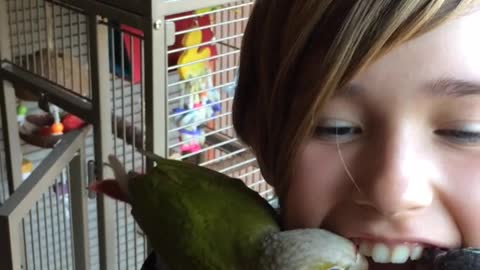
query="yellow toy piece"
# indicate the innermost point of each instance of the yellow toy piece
(27, 168)
(192, 55)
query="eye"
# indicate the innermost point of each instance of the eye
(467, 135)
(336, 130)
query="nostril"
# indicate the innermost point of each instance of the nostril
(389, 207)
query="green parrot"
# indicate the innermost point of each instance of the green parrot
(197, 218)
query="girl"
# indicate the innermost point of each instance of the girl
(365, 118)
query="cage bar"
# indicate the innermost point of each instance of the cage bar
(50, 39)
(120, 62)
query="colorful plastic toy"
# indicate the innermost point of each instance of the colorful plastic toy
(71, 122)
(131, 39)
(202, 101)
(200, 21)
(21, 114)
(27, 168)
(57, 127)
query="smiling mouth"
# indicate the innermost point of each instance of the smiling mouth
(392, 253)
(384, 253)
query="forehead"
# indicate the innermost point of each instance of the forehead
(451, 50)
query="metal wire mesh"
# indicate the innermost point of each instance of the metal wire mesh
(200, 103)
(126, 49)
(93, 235)
(50, 40)
(222, 151)
(47, 229)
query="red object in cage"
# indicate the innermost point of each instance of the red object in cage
(133, 58)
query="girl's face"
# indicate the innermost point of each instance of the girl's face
(406, 132)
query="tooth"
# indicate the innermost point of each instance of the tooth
(380, 253)
(365, 249)
(400, 254)
(416, 252)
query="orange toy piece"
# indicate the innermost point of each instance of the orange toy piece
(56, 129)
(192, 55)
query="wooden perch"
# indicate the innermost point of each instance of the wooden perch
(131, 132)
(217, 138)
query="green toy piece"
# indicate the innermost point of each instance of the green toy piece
(22, 110)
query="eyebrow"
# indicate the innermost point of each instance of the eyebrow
(452, 88)
(351, 89)
(444, 87)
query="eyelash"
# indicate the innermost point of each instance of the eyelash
(340, 133)
(462, 136)
(347, 133)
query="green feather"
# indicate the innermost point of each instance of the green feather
(197, 218)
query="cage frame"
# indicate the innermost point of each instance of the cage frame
(69, 152)
(149, 17)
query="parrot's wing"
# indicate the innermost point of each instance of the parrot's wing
(198, 218)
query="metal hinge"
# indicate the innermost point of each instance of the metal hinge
(169, 30)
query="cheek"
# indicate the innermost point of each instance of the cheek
(461, 193)
(317, 186)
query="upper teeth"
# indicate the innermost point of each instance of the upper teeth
(383, 253)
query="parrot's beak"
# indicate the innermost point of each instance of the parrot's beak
(361, 263)
(114, 188)
(111, 188)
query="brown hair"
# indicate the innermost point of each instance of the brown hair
(297, 53)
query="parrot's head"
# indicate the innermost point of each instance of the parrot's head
(116, 188)
(310, 249)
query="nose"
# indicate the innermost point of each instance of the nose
(396, 179)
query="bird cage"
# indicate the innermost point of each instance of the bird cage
(154, 75)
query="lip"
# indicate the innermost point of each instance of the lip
(427, 243)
